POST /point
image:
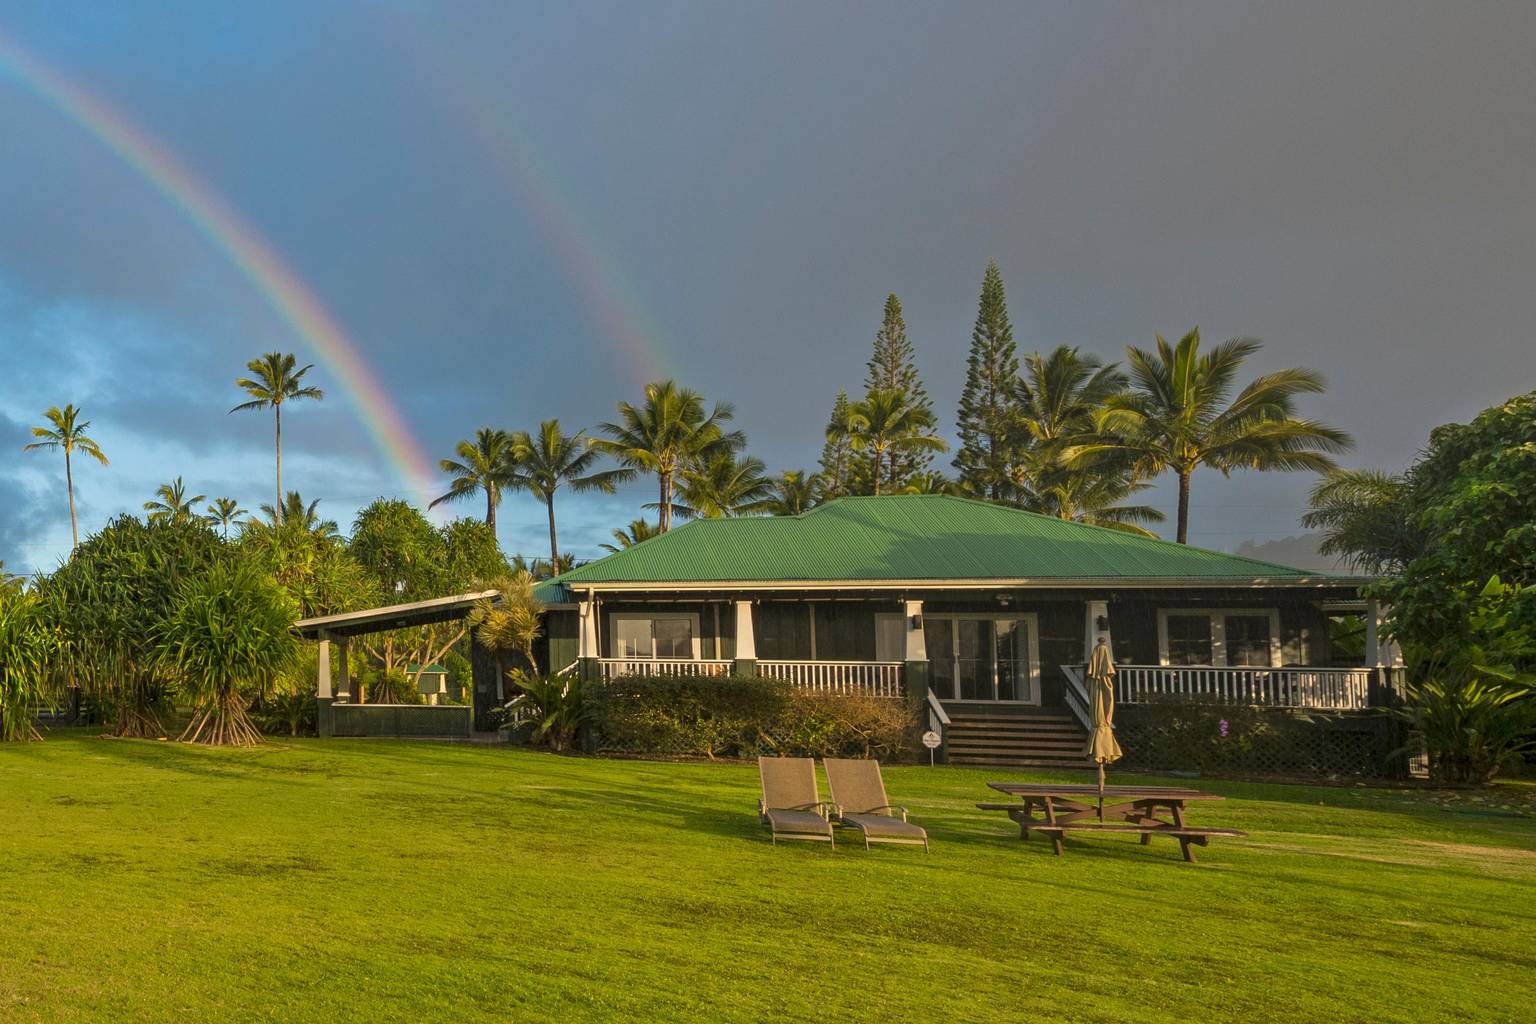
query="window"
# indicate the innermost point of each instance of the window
(1221, 637)
(1189, 640)
(673, 636)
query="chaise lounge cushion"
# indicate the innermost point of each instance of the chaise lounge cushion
(797, 822)
(883, 826)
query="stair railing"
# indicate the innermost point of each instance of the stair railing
(938, 721)
(1076, 692)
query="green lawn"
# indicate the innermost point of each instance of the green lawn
(383, 881)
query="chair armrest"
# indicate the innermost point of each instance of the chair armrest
(882, 807)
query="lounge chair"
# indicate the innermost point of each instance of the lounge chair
(791, 807)
(859, 795)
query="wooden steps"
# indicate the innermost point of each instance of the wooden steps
(1027, 737)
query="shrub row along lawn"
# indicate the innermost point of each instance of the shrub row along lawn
(383, 881)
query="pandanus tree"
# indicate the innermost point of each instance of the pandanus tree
(511, 622)
(223, 513)
(886, 425)
(276, 380)
(486, 464)
(227, 637)
(666, 433)
(67, 434)
(172, 503)
(1181, 414)
(549, 459)
(29, 646)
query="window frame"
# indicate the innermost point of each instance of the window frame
(614, 618)
(1218, 620)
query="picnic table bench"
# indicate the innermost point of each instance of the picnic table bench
(1054, 810)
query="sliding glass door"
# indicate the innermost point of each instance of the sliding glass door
(984, 657)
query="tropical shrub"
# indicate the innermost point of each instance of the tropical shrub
(748, 716)
(28, 647)
(227, 634)
(552, 711)
(1471, 729)
(288, 709)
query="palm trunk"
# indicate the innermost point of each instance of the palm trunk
(1184, 475)
(490, 509)
(69, 485)
(665, 516)
(277, 410)
(878, 461)
(554, 549)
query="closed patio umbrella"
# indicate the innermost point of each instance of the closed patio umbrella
(1102, 746)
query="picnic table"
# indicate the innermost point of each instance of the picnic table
(1055, 810)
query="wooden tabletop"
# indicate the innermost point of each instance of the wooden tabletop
(1081, 790)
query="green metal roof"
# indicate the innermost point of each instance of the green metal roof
(907, 537)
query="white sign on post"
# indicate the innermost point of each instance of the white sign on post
(932, 740)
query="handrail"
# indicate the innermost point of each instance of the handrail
(936, 710)
(1076, 692)
(568, 669)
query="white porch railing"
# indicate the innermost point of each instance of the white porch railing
(1318, 688)
(617, 668)
(879, 678)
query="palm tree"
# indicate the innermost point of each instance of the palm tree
(274, 381)
(10, 583)
(294, 514)
(1362, 515)
(1178, 416)
(1059, 395)
(548, 459)
(224, 513)
(68, 433)
(173, 505)
(670, 431)
(886, 423)
(484, 464)
(1095, 497)
(637, 531)
(931, 482)
(723, 485)
(791, 493)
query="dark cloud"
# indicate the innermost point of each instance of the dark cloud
(516, 214)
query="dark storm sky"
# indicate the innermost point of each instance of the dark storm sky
(523, 211)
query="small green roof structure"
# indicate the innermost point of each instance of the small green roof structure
(910, 538)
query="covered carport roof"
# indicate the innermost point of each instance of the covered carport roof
(395, 616)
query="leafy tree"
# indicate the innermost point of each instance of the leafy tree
(228, 636)
(108, 601)
(68, 434)
(224, 513)
(792, 492)
(28, 650)
(487, 464)
(1364, 518)
(723, 485)
(173, 503)
(273, 382)
(1180, 416)
(637, 531)
(985, 422)
(837, 470)
(549, 458)
(668, 432)
(887, 426)
(892, 367)
(472, 558)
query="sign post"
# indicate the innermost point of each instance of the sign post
(931, 740)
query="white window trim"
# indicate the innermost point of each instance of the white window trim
(1217, 617)
(613, 631)
(1031, 621)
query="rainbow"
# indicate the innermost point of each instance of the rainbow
(253, 256)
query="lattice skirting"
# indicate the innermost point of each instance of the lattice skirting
(1187, 737)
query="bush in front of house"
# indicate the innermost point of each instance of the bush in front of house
(747, 717)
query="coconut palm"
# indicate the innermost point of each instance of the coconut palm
(1179, 416)
(172, 505)
(887, 423)
(484, 464)
(549, 458)
(68, 433)
(224, 513)
(10, 583)
(1362, 516)
(627, 537)
(791, 493)
(1057, 396)
(1097, 498)
(274, 381)
(667, 433)
(931, 482)
(723, 485)
(294, 514)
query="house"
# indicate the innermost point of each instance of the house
(984, 613)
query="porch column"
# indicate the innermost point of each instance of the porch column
(587, 649)
(745, 663)
(915, 671)
(1373, 619)
(323, 671)
(1096, 610)
(344, 678)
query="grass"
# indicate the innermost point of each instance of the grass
(383, 881)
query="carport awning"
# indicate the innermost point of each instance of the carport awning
(395, 616)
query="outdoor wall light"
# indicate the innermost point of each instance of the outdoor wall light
(1101, 623)
(916, 622)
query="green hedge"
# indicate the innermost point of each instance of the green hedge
(747, 717)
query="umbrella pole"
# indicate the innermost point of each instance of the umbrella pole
(1101, 790)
